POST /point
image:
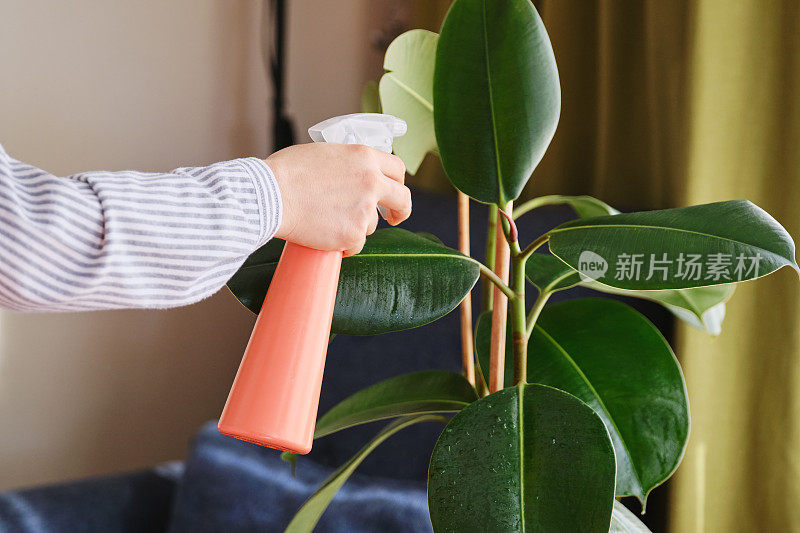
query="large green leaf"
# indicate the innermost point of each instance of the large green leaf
(702, 307)
(311, 511)
(616, 361)
(400, 280)
(406, 91)
(624, 521)
(429, 391)
(496, 96)
(730, 241)
(527, 458)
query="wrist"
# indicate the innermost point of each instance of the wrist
(269, 198)
(278, 174)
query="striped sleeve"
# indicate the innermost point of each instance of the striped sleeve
(110, 240)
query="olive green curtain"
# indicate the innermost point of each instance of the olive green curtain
(742, 469)
(621, 136)
(670, 103)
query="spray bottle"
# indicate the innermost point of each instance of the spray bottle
(275, 396)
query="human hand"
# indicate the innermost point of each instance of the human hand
(330, 193)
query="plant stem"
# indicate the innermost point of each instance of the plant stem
(491, 277)
(532, 247)
(537, 202)
(467, 349)
(533, 314)
(518, 331)
(491, 239)
(499, 309)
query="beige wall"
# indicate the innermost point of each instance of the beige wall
(150, 85)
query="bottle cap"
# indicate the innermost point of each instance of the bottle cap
(372, 129)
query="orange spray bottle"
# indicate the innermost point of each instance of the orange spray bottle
(275, 396)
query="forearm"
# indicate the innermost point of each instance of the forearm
(104, 240)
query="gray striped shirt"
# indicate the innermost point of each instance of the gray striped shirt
(109, 240)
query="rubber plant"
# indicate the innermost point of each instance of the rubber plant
(561, 409)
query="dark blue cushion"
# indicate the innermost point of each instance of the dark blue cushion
(135, 502)
(235, 486)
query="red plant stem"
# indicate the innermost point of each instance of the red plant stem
(499, 310)
(467, 350)
(512, 231)
(487, 289)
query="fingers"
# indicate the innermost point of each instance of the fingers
(358, 238)
(354, 250)
(373, 222)
(392, 166)
(396, 198)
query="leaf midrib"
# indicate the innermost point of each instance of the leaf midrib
(393, 76)
(664, 228)
(694, 307)
(496, 150)
(597, 396)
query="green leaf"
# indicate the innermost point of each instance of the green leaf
(406, 91)
(430, 237)
(400, 280)
(584, 206)
(496, 96)
(709, 321)
(588, 206)
(624, 521)
(616, 361)
(549, 273)
(702, 307)
(430, 391)
(529, 458)
(249, 284)
(729, 237)
(311, 511)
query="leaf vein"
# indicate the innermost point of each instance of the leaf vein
(596, 395)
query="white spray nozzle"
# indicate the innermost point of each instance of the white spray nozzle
(372, 129)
